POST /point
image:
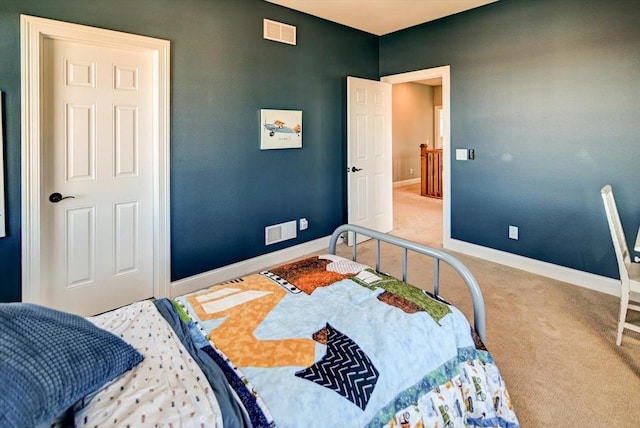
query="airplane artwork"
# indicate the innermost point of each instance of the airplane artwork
(278, 127)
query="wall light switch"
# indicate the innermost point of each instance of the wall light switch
(462, 154)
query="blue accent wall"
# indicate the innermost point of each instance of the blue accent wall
(224, 189)
(547, 93)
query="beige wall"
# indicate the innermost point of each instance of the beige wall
(437, 102)
(437, 95)
(412, 125)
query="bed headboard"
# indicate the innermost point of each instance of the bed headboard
(479, 316)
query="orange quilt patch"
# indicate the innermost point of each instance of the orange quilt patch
(309, 274)
(244, 305)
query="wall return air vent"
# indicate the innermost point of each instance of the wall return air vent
(279, 32)
(280, 232)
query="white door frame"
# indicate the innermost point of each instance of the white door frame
(32, 33)
(442, 72)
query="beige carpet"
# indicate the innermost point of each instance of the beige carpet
(554, 342)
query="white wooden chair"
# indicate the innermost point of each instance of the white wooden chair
(629, 272)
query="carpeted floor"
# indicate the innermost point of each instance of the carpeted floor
(554, 342)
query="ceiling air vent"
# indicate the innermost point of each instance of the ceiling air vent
(279, 32)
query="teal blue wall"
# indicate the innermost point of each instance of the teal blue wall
(547, 92)
(224, 190)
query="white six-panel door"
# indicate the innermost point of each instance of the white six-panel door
(95, 126)
(97, 245)
(369, 154)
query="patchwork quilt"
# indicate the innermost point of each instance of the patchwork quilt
(326, 341)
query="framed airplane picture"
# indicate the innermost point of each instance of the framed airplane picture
(280, 129)
(3, 223)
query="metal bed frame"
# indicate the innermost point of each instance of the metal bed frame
(479, 316)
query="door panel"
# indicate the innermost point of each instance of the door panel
(362, 207)
(79, 142)
(127, 224)
(80, 243)
(126, 144)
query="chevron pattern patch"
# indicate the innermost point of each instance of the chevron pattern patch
(345, 369)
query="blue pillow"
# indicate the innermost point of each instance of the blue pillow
(50, 359)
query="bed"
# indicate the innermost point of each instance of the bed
(320, 342)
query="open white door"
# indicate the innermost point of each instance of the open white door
(369, 155)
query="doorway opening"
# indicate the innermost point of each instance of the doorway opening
(417, 217)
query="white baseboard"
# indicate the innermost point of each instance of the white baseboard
(406, 182)
(560, 273)
(256, 264)
(572, 276)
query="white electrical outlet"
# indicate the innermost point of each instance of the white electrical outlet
(304, 224)
(513, 232)
(411, 171)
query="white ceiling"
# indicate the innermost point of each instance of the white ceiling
(381, 17)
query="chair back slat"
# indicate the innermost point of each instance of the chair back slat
(615, 227)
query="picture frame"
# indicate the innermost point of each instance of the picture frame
(280, 129)
(3, 230)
